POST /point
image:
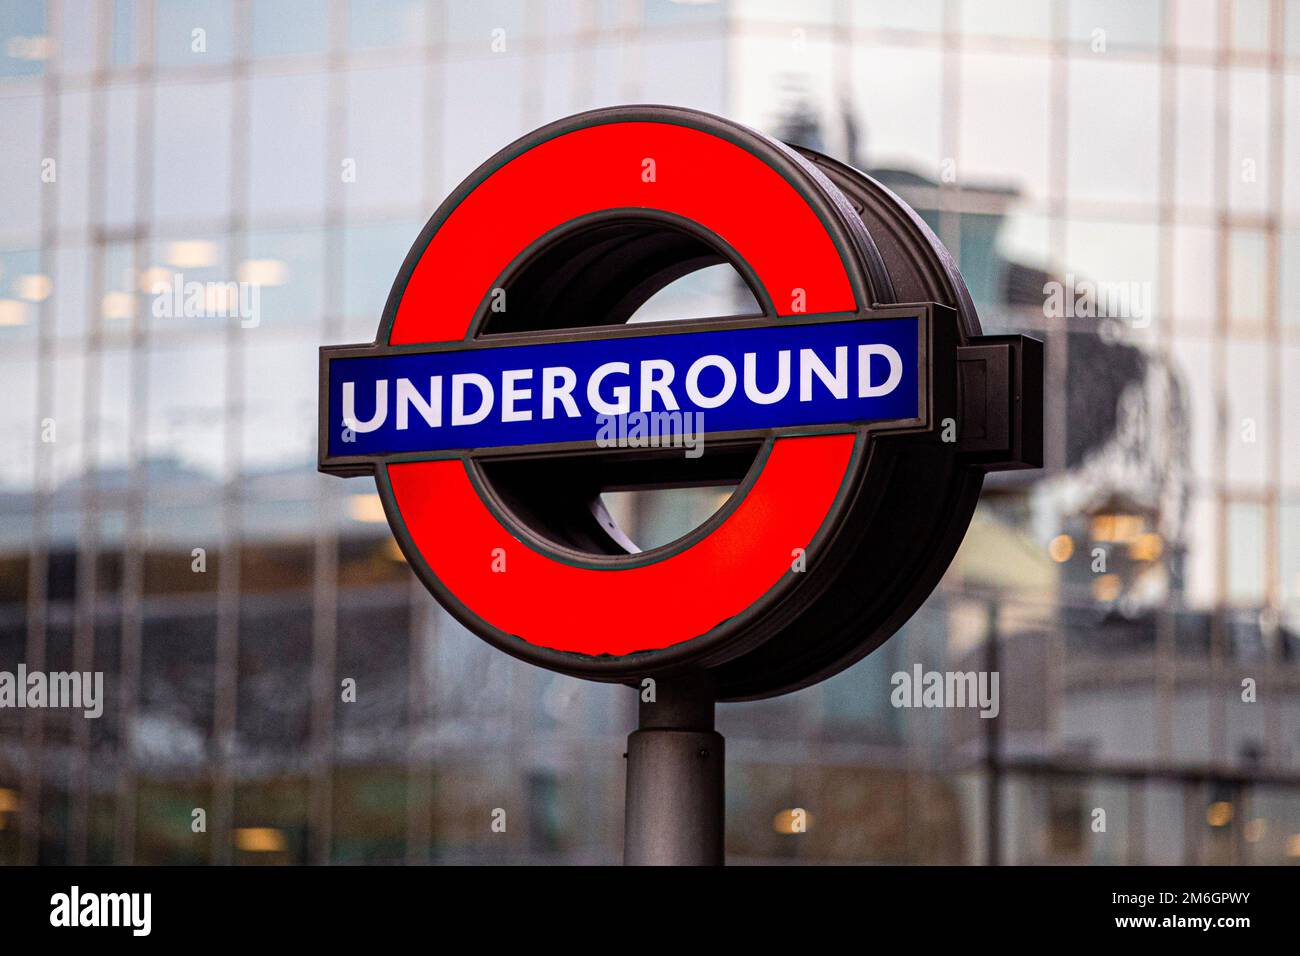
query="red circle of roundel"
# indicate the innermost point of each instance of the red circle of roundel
(698, 176)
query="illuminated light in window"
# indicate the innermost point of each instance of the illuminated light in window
(118, 305)
(12, 312)
(394, 550)
(1146, 547)
(33, 288)
(260, 840)
(1060, 548)
(1106, 587)
(794, 820)
(29, 48)
(1117, 527)
(1293, 845)
(155, 279)
(1219, 813)
(8, 805)
(267, 272)
(367, 508)
(191, 253)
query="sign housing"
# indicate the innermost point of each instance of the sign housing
(856, 416)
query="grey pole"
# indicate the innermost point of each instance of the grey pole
(675, 764)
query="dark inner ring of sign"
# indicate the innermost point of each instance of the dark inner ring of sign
(601, 274)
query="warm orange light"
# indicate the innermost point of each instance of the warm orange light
(155, 280)
(8, 800)
(12, 312)
(1146, 547)
(794, 820)
(34, 288)
(260, 840)
(1121, 528)
(264, 272)
(191, 254)
(367, 508)
(1106, 587)
(1060, 548)
(1293, 845)
(1219, 813)
(117, 305)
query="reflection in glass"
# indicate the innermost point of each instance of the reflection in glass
(193, 32)
(24, 43)
(185, 418)
(289, 27)
(385, 23)
(1158, 548)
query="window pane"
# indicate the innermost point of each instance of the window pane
(286, 146)
(924, 15)
(386, 137)
(1120, 22)
(1249, 160)
(23, 286)
(24, 45)
(1008, 18)
(20, 166)
(185, 423)
(289, 271)
(1108, 157)
(1245, 554)
(18, 425)
(288, 27)
(193, 32)
(280, 383)
(385, 23)
(997, 145)
(1247, 423)
(191, 163)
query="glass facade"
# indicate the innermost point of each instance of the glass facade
(1116, 177)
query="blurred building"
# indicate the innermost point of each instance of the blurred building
(161, 519)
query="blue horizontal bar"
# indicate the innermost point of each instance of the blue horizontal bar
(576, 391)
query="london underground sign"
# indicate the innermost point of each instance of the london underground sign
(506, 390)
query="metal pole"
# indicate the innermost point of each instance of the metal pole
(993, 747)
(675, 763)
